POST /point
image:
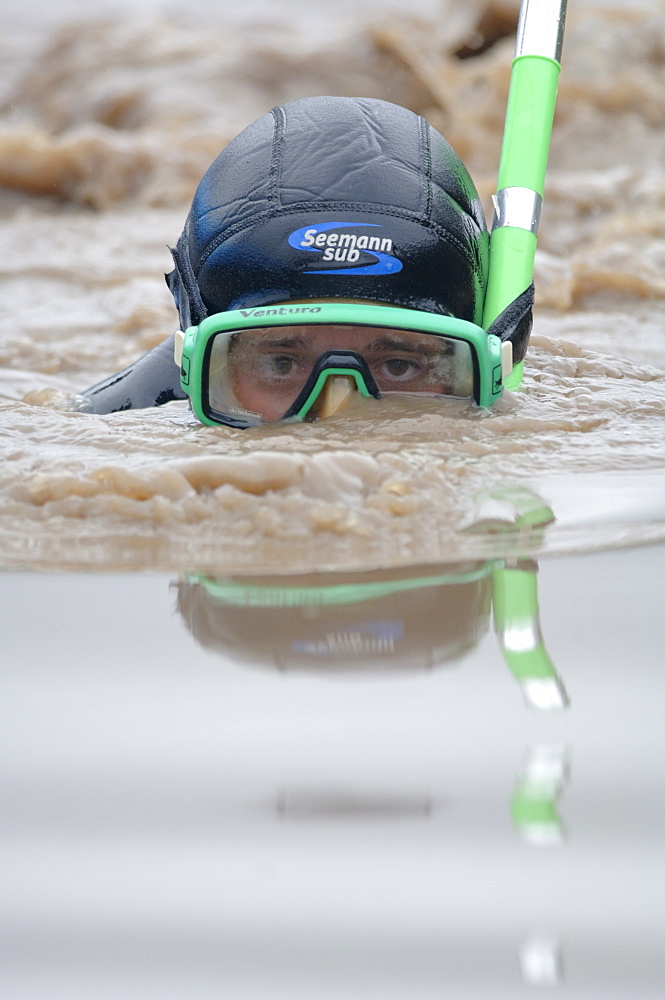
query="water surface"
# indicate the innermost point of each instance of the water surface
(181, 820)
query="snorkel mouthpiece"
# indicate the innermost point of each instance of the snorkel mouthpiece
(334, 378)
(333, 397)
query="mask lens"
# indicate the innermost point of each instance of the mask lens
(260, 373)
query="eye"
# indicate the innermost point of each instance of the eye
(395, 369)
(283, 364)
(398, 367)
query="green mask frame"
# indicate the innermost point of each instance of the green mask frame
(491, 359)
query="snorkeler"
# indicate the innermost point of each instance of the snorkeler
(336, 245)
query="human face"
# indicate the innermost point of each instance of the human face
(268, 367)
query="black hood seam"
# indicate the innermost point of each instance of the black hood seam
(426, 161)
(277, 156)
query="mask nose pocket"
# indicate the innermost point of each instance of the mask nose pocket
(334, 395)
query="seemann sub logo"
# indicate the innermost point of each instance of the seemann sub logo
(343, 251)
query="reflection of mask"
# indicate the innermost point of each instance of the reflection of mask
(410, 619)
(415, 618)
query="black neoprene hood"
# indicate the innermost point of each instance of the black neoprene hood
(334, 197)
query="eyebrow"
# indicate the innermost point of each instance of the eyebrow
(385, 342)
(380, 344)
(283, 342)
(244, 344)
(395, 344)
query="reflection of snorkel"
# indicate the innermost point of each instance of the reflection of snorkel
(517, 627)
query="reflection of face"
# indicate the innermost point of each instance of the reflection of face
(269, 367)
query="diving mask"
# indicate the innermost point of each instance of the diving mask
(300, 361)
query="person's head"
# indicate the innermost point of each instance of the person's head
(335, 204)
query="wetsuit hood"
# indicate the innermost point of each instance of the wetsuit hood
(334, 197)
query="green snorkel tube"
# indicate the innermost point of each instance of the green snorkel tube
(524, 153)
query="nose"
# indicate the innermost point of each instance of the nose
(333, 397)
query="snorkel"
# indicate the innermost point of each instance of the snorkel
(524, 154)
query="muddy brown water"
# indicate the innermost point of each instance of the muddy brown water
(106, 133)
(195, 806)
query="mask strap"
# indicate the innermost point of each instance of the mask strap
(515, 322)
(184, 288)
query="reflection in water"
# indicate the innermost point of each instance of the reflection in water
(402, 620)
(413, 618)
(534, 803)
(410, 619)
(315, 805)
(518, 630)
(540, 960)
(533, 807)
(177, 826)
